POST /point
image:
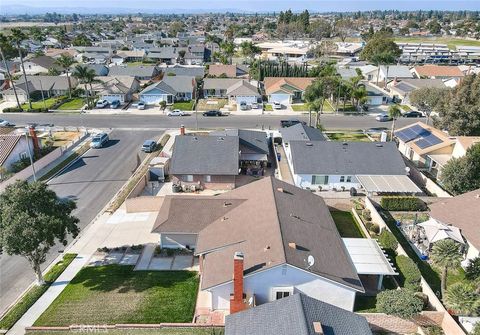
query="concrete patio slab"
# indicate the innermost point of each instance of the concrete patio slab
(113, 258)
(161, 263)
(182, 262)
(146, 257)
(129, 259)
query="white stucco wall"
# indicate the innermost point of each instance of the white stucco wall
(175, 241)
(305, 180)
(19, 149)
(261, 283)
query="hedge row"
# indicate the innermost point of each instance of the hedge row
(403, 203)
(388, 241)
(19, 110)
(409, 273)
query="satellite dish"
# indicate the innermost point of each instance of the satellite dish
(310, 261)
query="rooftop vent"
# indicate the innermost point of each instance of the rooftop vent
(267, 247)
(379, 145)
(220, 139)
(294, 216)
(317, 328)
(309, 144)
(224, 218)
(195, 138)
(292, 245)
(226, 204)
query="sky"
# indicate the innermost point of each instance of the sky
(198, 6)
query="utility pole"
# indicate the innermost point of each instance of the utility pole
(43, 97)
(30, 156)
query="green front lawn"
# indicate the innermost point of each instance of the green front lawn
(300, 107)
(32, 295)
(162, 331)
(40, 104)
(346, 224)
(184, 106)
(116, 294)
(351, 137)
(268, 108)
(73, 104)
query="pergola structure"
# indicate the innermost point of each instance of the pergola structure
(388, 184)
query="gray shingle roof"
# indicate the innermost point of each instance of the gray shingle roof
(7, 144)
(301, 132)
(255, 140)
(134, 71)
(173, 85)
(205, 155)
(179, 70)
(296, 315)
(346, 158)
(45, 83)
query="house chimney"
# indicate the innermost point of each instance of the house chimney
(317, 328)
(236, 300)
(33, 135)
(182, 130)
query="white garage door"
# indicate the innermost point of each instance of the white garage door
(284, 99)
(112, 97)
(247, 99)
(152, 99)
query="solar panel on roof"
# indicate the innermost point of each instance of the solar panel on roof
(428, 141)
(411, 133)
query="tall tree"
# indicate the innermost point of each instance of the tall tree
(86, 76)
(446, 255)
(65, 61)
(343, 28)
(460, 175)
(380, 50)
(427, 99)
(32, 220)
(463, 299)
(7, 50)
(394, 112)
(459, 112)
(17, 37)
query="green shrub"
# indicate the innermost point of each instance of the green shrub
(402, 203)
(374, 228)
(388, 240)
(12, 110)
(433, 330)
(410, 275)
(476, 329)
(472, 271)
(402, 303)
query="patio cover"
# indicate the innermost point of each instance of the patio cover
(388, 184)
(437, 231)
(367, 256)
(253, 157)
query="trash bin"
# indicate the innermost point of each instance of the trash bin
(279, 156)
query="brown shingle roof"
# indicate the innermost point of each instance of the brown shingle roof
(438, 71)
(262, 220)
(275, 84)
(219, 69)
(7, 144)
(463, 212)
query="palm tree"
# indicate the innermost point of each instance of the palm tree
(228, 50)
(86, 76)
(65, 61)
(17, 37)
(462, 298)
(445, 254)
(314, 106)
(394, 112)
(4, 41)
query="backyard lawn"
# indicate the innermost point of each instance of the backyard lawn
(451, 42)
(346, 224)
(163, 331)
(76, 103)
(351, 137)
(116, 294)
(184, 106)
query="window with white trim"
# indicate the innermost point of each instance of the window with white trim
(342, 179)
(207, 178)
(23, 155)
(349, 179)
(319, 180)
(188, 177)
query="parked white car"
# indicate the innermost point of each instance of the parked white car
(141, 105)
(176, 112)
(102, 103)
(276, 105)
(5, 123)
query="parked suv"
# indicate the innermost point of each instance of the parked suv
(99, 140)
(149, 146)
(243, 106)
(101, 104)
(115, 104)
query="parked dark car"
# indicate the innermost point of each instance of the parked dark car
(290, 122)
(413, 114)
(212, 113)
(149, 146)
(115, 104)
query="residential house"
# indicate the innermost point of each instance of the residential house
(56, 53)
(375, 95)
(119, 88)
(400, 90)
(430, 148)
(141, 72)
(39, 87)
(438, 72)
(290, 51)
(125, 56)
(391, 72)
(348, 49)
(227, 71)
(194, 55)
(169, 89)
(184, 70)
(13, 148)
(462, 212)
(277, 238)
(40, 64)
(300, 132)
(205, 162)
(331, 165)
(296, 314)
(99, 69)
(286, 90)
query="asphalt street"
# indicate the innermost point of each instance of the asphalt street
(92, 181)
(163, 122)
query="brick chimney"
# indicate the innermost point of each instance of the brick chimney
(237, 303)
(36, 145)
(182, 130)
